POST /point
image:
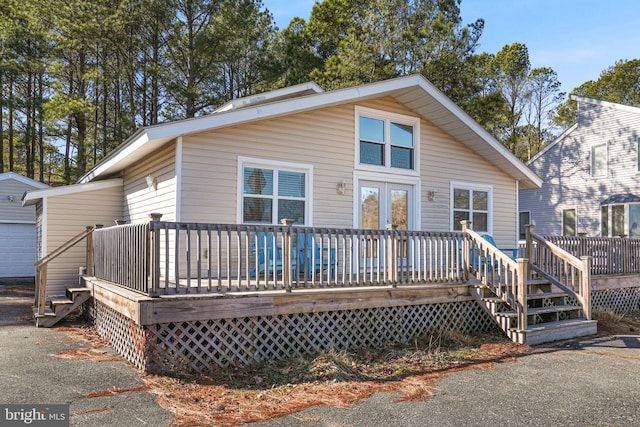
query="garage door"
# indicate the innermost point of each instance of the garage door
(17, 250)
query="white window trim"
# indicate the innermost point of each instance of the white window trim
(279, 165)
(388, 178)
(387, 117)
(570, 208)
(476, 187)
(606, 160)
(520, 225)
(637, 153)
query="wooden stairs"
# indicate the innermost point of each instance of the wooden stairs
(552, 315)
(59, 306)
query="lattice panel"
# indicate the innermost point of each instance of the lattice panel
(126, 337)
(201, 345)
(620, 300)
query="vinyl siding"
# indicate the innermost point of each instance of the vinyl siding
(68, 215)
(325, 139)
(14, 211)
(566, 169)
(139, 199)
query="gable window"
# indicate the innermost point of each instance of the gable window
(569, 222)
(523, 220)
(271, 193)
(386, 140)
(599, 160)
(471, 203)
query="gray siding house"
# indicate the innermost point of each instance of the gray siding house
(591, 176)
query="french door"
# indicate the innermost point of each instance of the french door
(385, 203)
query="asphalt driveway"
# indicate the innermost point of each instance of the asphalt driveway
(593, 382)
(99, 394)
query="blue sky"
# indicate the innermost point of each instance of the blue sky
(578, 39)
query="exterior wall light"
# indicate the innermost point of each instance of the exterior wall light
(341, 187)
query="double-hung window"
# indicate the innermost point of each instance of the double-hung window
(569, 222)
(599, 160)
(272, 192)
(386, 140)
(471, 203)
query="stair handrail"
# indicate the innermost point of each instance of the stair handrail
(42, 263)
(507, 278)
(542, 266)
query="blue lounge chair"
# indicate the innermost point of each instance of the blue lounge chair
(268, 255)
(312, 259)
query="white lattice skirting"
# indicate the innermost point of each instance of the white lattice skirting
(198, 346)
(621, 300)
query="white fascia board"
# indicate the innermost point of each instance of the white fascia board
(172, 130)
(139, 139)
(461, 115)
(22, 179)
(552, 143)
(31, 197)
(601, 103)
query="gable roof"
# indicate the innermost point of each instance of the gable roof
(583, 100)
(414, 91)
(31, 197)
(621, 107)
(23, 179)
(552, 143)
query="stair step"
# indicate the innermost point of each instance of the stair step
(542, 295)
(59, 303)
(556, 331)
(552, 309)
(73, 293)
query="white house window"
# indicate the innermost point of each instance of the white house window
(599, 160)
(270, 194)
(524, 219)
(386, 140)
(471, 204)
(620, 216)
(604, 221)
(569, 222)
(638, 154)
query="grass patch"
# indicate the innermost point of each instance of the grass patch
(614, 323)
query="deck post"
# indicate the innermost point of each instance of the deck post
(466, 249)
(585, 286)
(90, 229)
(154, 256)
(528, 246)
(287, 254)
(522, 293)
(392, 254)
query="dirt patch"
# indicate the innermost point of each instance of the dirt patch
(98, 351)
(236, 396)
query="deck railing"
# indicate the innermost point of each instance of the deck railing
(609, 255)
(553, 263)
(507, 278)
(121, 255)
(181, 258)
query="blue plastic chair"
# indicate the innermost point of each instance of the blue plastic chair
(312, 260)
(489, 238)
(269, 255)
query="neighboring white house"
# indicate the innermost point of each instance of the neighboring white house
(591, 176)
(17, 226)
(397, 151)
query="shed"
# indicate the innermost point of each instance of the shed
(17, 226)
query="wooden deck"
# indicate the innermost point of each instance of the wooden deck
(145, 310)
